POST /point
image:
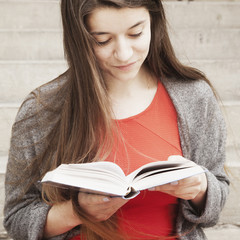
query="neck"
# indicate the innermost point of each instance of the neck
(131, 97)
(126, 89)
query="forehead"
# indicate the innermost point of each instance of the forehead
(112, 19)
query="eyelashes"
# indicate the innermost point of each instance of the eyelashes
(103, 43)
(136, 35)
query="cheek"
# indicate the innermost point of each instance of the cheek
(102, 54)
(143, 45)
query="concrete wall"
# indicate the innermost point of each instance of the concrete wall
(205, 34)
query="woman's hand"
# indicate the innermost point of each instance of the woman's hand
(192, 188)
(62, 218)
(99, 207)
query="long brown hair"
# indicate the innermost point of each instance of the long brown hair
(79, 110)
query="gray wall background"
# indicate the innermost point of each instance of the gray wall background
(205, 34)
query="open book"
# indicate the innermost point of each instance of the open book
(109, 179)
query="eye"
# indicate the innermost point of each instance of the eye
(136, 35)
(102, 43)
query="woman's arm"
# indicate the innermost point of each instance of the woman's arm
(60, 219)
(25, 212)
(203, 136)
(206, 147)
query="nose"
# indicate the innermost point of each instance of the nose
(123, 50)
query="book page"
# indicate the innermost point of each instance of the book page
(104, 177)
(159, 166)
(161, 178)
(98, 166)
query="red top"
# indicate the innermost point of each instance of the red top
(151, 135)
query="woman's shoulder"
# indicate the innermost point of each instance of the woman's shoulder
(189, 91)
(198, 87)
(38, 114)
(41, 97)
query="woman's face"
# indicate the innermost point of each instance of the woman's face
(123, 39)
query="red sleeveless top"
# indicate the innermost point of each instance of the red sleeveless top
(151, 135)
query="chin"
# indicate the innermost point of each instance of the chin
(126, 77)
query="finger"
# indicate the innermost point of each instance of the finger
(166, 187)
(98, 208)
(94, 205)
(183, 183)
(118, 202)
(190, 181)
(187, 193)
(181, 190)
(92, 199)
(196, 179)
(190, 194)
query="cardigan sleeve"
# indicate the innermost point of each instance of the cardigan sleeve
(203, 135)
(207, 148)
(24, 212)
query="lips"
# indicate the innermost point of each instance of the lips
(125, 67)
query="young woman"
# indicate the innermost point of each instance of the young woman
(125, 98)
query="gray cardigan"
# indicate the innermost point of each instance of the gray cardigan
(202, 134)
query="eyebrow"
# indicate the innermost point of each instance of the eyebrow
(135, 25)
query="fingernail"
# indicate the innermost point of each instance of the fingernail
(151, 189)
(106, 199)
(174, 183)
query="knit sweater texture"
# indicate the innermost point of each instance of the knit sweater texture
(202, 134)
